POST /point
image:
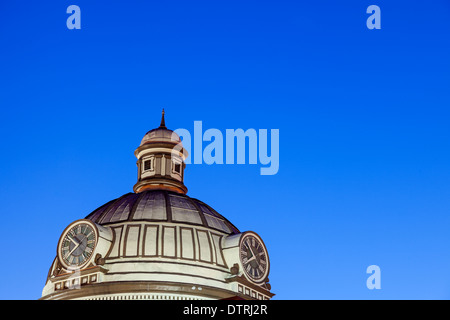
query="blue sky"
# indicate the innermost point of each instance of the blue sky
(363, 117)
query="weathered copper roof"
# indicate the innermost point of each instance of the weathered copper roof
(160, 205)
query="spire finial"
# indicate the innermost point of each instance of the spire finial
(163, 123)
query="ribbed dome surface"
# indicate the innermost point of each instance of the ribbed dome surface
(159, 205)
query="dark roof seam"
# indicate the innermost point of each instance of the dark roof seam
(202, 216)
(225, 220)
(101, 208)
(168, 206)
(110, 207)
(135, 205)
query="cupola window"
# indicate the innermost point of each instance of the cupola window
(177, 167)
(148, 165)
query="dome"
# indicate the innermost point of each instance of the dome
(157, 245)
(157, 242)
(161, 206)
(160, 135)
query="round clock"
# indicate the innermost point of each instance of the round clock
(254, 257)
(77, 244)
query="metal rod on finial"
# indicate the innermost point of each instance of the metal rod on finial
(163, 123)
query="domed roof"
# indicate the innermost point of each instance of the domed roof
(160, 134)
(156, 242)
(161, 206)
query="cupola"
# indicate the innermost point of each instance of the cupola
(160, 161)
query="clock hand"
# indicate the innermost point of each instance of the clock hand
(253, 253)
(74, 241)
(75, 248)
(77, 244)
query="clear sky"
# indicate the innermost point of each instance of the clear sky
(363, 116)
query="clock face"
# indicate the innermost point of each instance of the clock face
(77, 244)
(254, 258)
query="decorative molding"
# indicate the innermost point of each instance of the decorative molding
(78, 273)
(140, 287)
(243, 281)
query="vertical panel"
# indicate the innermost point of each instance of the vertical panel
(114, 253)
(216, 241)
(163, 165)
(187, 243)
(158, 165)
(150, 242)
(204, 246)
(169, 242)
(151, 206)
(131, 241)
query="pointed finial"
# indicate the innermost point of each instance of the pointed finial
(163, 123)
